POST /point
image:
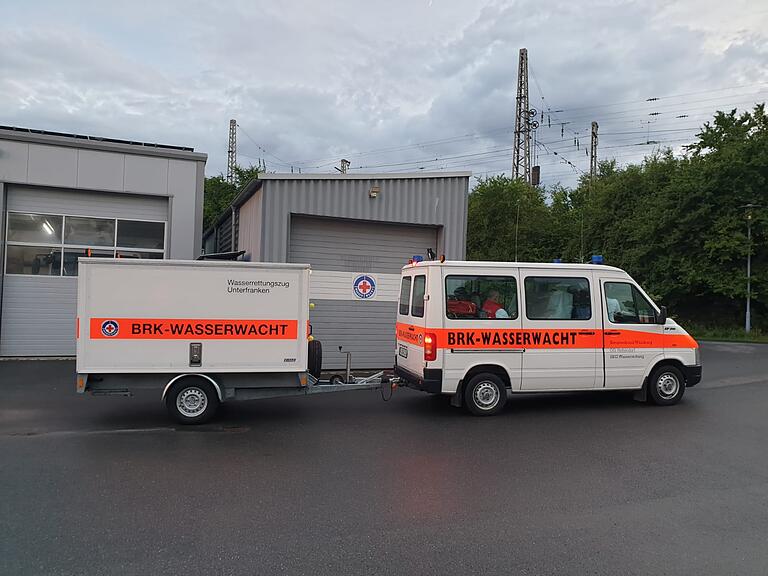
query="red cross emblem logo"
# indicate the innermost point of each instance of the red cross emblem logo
(364, 287)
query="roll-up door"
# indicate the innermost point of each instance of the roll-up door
(355, 281)
(46, 230)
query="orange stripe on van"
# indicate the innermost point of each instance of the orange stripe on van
(191, 329)
(567, 338)
(410, 333)
(679, 341)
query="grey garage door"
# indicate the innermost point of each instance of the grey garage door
(364, 327)
(38, 311)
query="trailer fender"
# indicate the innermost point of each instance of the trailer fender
(180, 376)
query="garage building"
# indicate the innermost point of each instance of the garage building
(356, 231)
(63, 196)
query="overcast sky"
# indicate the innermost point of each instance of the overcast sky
(401, 85)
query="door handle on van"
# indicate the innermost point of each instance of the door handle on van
(411, 329)
(611, 332)
(586, 333)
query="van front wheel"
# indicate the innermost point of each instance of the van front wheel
(485, 394)
(666, 385)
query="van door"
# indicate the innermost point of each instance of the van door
(411, 321)
(563, 344)
(482, 323)
(632, 340)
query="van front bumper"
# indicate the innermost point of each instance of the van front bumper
(431, 382)
(692, 375)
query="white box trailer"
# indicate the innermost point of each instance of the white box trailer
(203, 332)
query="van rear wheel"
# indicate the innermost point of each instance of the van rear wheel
(192, 401)
(485, 394)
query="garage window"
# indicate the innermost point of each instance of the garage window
(50, 244)
(34, 228)
(140, 234)
(33, 260)
(89, 231)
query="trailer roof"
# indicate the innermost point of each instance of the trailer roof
(193, 263)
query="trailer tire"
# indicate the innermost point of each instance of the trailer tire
(315, 358)
(485, 394)
(192, 401)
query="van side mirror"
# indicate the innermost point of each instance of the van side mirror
(662, 318)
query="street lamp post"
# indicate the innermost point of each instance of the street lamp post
(748, 316)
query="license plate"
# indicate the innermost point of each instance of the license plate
(403, 351)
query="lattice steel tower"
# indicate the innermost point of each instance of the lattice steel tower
(524, 123)
(593, 152)
(232, 151)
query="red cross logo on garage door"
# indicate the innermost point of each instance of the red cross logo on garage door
(364, 287)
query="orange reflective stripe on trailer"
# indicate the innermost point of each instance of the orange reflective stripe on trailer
(181, 329)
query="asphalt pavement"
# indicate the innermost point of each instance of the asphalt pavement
(348, 484)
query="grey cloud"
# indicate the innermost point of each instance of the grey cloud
(312, 82)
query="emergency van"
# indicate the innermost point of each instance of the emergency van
(479, 331)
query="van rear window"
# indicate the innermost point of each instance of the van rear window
(481, 297)
(405, 295)
(417, 302)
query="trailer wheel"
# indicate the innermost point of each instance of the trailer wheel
(485, 394)
(666, 385)
(315, 358)
(337, 379)
(192, 401)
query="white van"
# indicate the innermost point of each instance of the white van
(480, 330)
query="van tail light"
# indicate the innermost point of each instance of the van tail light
(430, 347)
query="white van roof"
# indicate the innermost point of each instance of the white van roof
(537, 265)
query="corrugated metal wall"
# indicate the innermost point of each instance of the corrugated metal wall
(353, 246)
(84, 203)
(358, 234)
(249, 228)
(38, 313)
(433, 201)
(224, 235)
(365, 328)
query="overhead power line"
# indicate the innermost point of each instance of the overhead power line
(279, 160)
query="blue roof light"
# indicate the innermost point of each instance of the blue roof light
(597, 258)
(557, 261)
(417, 258)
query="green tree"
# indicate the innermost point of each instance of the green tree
(219, 193)
(674, 223)
(507, 217)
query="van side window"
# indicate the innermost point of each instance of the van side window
(552, 298)
(481, 297)
(417, 303)
(405, 294)
(626, 305)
